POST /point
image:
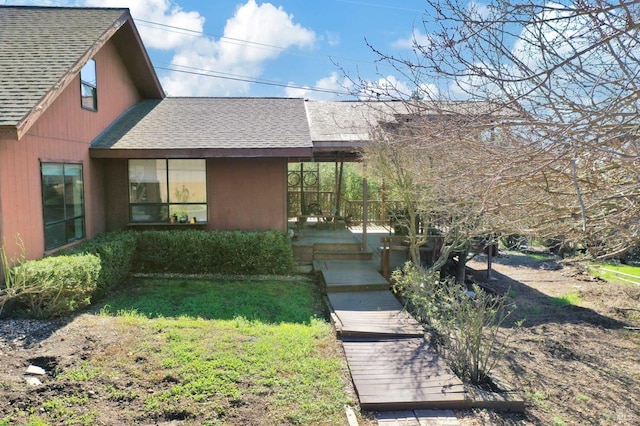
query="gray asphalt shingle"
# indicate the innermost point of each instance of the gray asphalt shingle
(219, 123)
(348, 121)
(38, 46)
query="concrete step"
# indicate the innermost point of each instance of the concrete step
(347, 288)
(303, 254)
(337, 246)
(342, 255)
(340, 278)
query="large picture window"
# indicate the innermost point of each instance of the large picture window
(168, 191)
(89, 86)
(63, 203)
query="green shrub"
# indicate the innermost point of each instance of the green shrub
(115, 250)
(218, 252)
(70, 279)
(56, 286)
(465, 327)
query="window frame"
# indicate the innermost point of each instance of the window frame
(164, 208)
(68, 218)
(90, 86)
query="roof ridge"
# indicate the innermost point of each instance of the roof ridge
(22, 6)
(234, 97)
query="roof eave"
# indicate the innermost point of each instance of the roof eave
(305, 152)
(8, 132)
(154, 88)
(137, 60)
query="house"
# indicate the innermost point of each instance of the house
(89, 143)
(65, 76)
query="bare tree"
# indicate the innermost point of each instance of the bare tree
(555, 153)
(434, 165)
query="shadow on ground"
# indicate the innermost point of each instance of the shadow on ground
(534, 306)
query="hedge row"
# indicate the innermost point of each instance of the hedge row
(69, 280)
(229, 253)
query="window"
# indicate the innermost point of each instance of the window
(88, 86)
(168, 191)
(62, 203)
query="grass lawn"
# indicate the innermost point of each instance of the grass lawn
(214, 352)
(615, 272)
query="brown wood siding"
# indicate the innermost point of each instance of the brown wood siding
(247, 194)
(62, 134)
(116, 190)
(242, 193)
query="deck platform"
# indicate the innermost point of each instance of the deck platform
(345, 275)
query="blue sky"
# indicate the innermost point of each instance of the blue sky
(294, 43)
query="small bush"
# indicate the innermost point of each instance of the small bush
(115, 250)
(56, 286)
(465, 326)
(218, 252)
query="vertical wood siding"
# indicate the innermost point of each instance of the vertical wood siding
(247, 194)
(62, 134)
(242, 193)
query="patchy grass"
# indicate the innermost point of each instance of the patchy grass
(626, 274)
(212, 352)
(566, 300)
(541, 256)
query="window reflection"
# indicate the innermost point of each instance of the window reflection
(168, 190)
(88, 86)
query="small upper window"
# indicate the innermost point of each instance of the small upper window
(88, 86)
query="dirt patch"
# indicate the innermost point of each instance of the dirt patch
(576, 356)
(112, 397)
(576, 364)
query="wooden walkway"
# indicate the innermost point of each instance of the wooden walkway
(392, 366)
(401, 374)
(372, 314)
(350, 276)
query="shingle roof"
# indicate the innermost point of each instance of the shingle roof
(346, 121)
(38, 48)
(210, 123)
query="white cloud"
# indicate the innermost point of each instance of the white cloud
(384, 89)
(163, 12)
(333, 39)
(254, 35)
(478, 9)
(416, 38)
(257, 33)
(428, 91)
(332, 86)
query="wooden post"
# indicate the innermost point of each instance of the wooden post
(336, 190)
(385, 257)
(303, 209)
(383, 206)
(365, 209)
(339, 192)
(489, 261)
(460, 273)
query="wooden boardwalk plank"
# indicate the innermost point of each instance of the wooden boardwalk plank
(373, 313)
(392, 366)
(402, 373)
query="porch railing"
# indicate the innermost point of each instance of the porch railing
(299, 202)
(377, 211)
